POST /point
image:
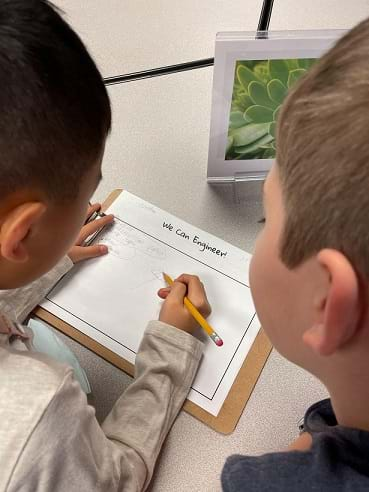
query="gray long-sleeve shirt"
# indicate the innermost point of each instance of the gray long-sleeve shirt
(338, 461)
(50, 439)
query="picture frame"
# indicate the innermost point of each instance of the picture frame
(252, 75)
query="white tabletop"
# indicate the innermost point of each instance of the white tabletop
(158, 150)
(317, 14)
(130, 35)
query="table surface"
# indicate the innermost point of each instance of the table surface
(130, 35)
(158, 150)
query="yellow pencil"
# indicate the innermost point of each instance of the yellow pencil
(198, 317)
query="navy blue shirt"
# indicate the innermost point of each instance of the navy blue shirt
(337, 461)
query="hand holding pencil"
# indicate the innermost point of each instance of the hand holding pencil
(186, 305)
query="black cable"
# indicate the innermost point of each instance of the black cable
(263, 25)
(155, 72)
(266, 12)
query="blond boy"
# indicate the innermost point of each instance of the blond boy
(310, 272)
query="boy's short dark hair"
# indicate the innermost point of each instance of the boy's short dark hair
(54, 109)
(323, 156)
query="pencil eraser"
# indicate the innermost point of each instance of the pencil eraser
(219, 342)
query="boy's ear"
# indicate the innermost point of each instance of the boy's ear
(337, 306)
(15, 228)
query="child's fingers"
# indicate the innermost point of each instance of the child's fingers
(94, 226)
(92, 208)
(196, 293)
(79, 253)
(177, 292)
(164, 292)
(93, 251)
(173, 311)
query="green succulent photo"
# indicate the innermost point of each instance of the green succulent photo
(259, 89)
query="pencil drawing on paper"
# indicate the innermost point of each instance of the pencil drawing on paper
(125, 242)
(147, 207)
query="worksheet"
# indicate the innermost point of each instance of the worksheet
(112, 298)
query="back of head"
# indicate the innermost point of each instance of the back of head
(323, 156)
(55, 111)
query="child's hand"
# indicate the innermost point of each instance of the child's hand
(80, 252)
(173, 310)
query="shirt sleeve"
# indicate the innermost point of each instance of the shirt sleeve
(68, 450)
(288, 471)
(18, 303)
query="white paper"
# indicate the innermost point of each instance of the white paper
(112, 298)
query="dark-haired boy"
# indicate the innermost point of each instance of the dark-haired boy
(55, 117)
(310, 272)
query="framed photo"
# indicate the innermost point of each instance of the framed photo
(252, 75)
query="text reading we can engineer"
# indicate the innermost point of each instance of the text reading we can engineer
(202, 245)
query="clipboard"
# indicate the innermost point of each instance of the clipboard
(226, 420)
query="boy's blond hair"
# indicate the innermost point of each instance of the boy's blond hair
(323, 156)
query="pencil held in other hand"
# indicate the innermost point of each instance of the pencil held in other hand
(82, 248)
(95, 222)
(197, 316)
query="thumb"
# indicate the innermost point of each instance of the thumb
(164, 292)
(177, 292)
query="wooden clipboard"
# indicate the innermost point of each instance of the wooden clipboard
(242, 387)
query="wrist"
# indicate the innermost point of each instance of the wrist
(174, 335)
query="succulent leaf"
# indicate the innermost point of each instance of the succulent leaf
(275, 114)
(255, 146)
(236, 120)
(245, 135)
(276, 91)
(245, 76)
(241, 102)
(268, 154)
(294, 76)
(259, 95)
(279, 70)
(258, 114)
(261, 70)
(245, 101)
(267, 146)
(229, 144)
(305, 63)
(272, 128)
(293, 63)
